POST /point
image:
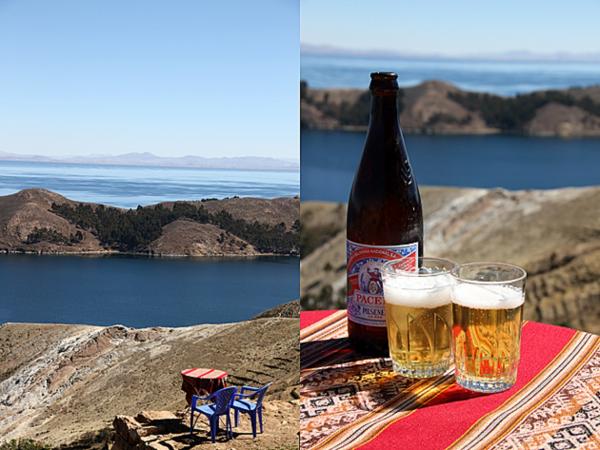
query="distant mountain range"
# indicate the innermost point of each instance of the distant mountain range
(149, 159)
(516, 55)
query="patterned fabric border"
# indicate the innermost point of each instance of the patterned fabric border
(559, 409)
(347, 402)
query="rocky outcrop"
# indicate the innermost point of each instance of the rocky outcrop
(165, 430)
(61, 382)
(149, 430)
(554, 234)
(290, 310)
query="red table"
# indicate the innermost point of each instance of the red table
(349, 402)
(202, 382)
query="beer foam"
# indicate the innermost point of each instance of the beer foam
(488, 296)
(418, 292)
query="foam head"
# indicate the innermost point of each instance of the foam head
(482, 296)
(418, 292)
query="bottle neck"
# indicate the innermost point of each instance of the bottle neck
(384, 113)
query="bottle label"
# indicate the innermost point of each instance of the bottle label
(365, 287)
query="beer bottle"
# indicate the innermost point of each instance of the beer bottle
(385, 219)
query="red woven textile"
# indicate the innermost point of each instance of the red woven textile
(360, 403)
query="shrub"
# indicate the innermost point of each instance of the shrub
(24, 444)
(133, 230)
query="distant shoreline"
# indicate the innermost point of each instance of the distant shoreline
(150, 166)
(109, 253)
(363, 130)
(516, 57)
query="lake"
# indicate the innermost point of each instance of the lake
(329, 160)
(504, 78)
(142, 292)
(130, 186)
(137, 291)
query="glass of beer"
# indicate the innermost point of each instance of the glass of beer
(418, 315)
(487, 313)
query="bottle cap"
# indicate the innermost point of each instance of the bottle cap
(384, 83)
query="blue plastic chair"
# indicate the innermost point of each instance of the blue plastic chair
(241, 404)
(220, 406)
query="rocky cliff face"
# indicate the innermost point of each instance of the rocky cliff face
(436, 107)
(554, 234)
(61, 382)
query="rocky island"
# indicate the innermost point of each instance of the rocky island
(437, 107)
(553, 234)
(40, 221)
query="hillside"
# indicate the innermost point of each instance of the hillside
(40, 221)
(59, 383)
(554, 234)
(436, 107)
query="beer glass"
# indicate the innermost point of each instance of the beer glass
(487, 313)
(418, 315)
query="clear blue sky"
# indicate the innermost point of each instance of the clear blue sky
(453, 27)
(207, 78)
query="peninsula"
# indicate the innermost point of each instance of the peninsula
(44, 222)
(437, 107)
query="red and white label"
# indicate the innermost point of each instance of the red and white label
(365, 287)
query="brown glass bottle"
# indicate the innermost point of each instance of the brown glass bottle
(385, 219)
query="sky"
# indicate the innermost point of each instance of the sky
(172, 78)
(453, 28)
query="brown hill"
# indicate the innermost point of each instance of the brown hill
(188, 238)
(273, 211)
(437, 107)
(26, 210)
(29, 224)
(61, 382)
(555, 119)
(290, 310)
(554, 234)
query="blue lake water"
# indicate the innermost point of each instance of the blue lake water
(329, 160)
(142, 292)
(505, 78)
(129, 186)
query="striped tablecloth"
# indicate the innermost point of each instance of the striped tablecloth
(348, 402)
(197, 381)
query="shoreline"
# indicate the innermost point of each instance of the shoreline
(274, 312)
(132, 328)
(364, 129)
(140, 254)
(150, 166)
